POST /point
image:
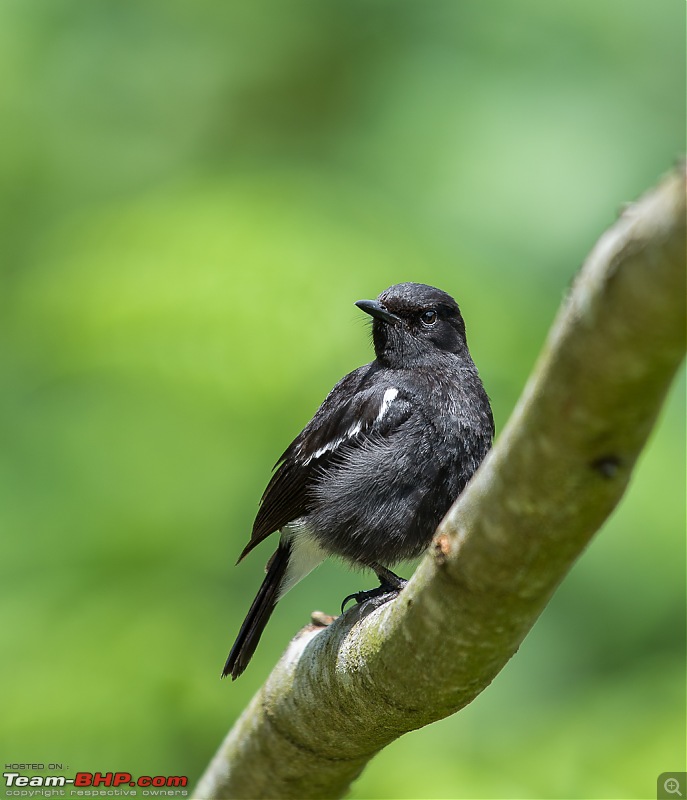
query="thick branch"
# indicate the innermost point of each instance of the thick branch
(342, 693)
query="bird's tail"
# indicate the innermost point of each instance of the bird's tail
(259, 613)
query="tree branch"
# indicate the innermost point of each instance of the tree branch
(342, 693)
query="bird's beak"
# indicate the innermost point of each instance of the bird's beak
(375, 309)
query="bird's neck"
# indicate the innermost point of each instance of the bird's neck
(434, 361)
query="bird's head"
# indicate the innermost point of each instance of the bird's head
(412, 323)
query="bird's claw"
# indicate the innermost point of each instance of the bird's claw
(385, 590)
(357, 596)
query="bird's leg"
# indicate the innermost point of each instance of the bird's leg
(390, 585)
(388, 580)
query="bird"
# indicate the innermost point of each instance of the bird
(384, 457)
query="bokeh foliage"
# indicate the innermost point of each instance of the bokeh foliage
(192, 195)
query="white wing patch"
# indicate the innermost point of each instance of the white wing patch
(389, 397)
(354, 430)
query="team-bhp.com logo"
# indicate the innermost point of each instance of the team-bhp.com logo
(94, 784)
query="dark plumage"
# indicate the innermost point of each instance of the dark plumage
(383, 459)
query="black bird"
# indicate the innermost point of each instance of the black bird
(389, 450)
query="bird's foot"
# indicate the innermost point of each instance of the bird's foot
(386, 591)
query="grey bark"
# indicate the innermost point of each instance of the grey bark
(341, 693)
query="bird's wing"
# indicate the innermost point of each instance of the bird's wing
(361, 406)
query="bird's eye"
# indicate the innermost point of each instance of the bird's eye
(429, 317)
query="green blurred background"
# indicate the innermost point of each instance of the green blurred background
(192, 196)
